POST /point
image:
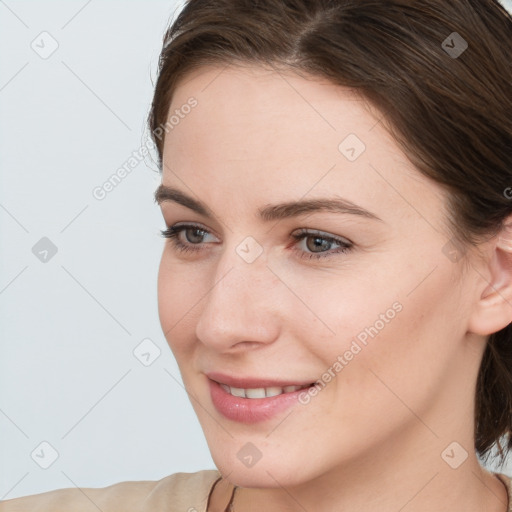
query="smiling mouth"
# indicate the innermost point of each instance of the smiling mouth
(261, 392)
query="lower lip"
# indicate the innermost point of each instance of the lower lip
(251, 410)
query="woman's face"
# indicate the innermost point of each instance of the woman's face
(370, 305)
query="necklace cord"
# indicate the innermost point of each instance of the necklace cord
(230, 507)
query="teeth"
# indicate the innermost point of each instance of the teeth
(273, 391)
(237, 392)
(260, 392)
(255, 393)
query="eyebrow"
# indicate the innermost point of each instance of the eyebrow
(270, 212)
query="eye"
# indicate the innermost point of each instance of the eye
(319, 241)
(173, 233)
(194, 235)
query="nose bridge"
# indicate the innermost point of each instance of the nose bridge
(238, 306)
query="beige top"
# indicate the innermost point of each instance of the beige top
(179, 492)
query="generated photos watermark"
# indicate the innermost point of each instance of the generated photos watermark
(358, 343)
(100, 192)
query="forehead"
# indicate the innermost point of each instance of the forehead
(255, 94)
(261, 131)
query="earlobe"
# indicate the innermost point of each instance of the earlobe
(493, 309)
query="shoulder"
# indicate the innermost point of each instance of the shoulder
(176, 492)
(507, 480)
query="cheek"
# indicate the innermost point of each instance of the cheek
(397, 354)
(340, 313)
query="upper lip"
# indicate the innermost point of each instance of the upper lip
(254, 382)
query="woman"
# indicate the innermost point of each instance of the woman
(337, 281)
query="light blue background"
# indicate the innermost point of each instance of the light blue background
(69, 326)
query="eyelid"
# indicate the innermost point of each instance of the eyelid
(197, 225)
(308, 231)
(322, 234)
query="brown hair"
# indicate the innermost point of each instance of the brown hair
(451, 112)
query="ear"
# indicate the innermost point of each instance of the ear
(493, 308)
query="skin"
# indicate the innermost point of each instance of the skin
(372, 438)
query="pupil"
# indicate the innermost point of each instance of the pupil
(195, 232)
(318, 245)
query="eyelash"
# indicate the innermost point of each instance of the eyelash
(173, 232)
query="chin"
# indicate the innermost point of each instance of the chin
(259, 478)
(282, 472)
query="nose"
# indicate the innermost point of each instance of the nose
(240, 310)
